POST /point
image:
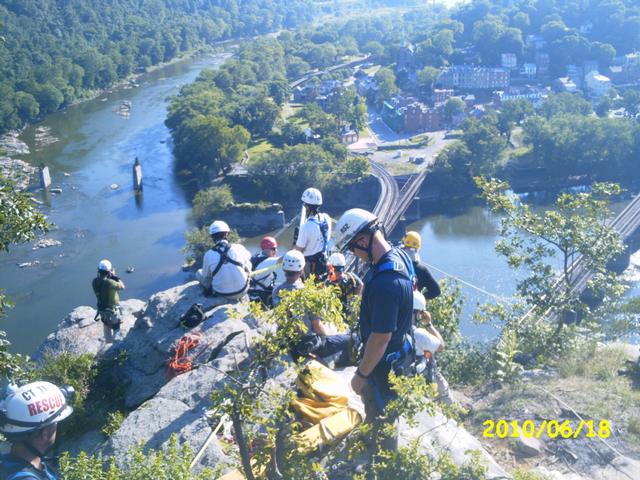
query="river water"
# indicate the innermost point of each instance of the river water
(96, 149)
(93, 221)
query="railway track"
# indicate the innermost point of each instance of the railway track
(391, 206)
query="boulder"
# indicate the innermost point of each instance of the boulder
(78, 333)
(153, 424)
(446, 435)
(528, 447)
(620, 468)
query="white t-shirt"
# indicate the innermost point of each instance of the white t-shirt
(230, 278)
(425, 342)
(310, 237)
(266, 277)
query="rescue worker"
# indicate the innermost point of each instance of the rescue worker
(314, 235)
(428, 341)
(385, 312)
(226, 267)
(261, 286)
(106, 286)
(411, 243)
(316, 339)
(28, 419)
(349, 283)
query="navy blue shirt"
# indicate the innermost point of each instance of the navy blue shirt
(12, 467)
(387, 301)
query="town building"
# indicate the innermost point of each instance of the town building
(535, 95)
(469, 77)
(597, 85)
(528, 70)
(440, 95)
(406, 114)
(542, 64)
(405, 58)
(564, 84)
(509, 60)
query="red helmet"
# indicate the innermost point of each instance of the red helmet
(268, 243)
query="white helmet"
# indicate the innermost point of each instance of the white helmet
(105, 265)
(293, 261)
(312, 196)
(218, 227)
(419, 302)
(351, 223)
(337, 259)
(34, 406)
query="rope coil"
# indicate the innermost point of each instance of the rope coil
(181, 361)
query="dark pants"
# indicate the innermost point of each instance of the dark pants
(316, 264)
(323, 347)
(375, 396)
(333, 344)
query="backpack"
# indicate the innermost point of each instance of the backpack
(324, 230)
(193, 317)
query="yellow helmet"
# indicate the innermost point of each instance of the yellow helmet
(412, 240)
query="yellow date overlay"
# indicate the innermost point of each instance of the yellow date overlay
(550, 428)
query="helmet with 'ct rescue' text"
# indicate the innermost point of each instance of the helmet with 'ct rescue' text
(34, 406)
(293, 261)
(312, 196)
(352, 222)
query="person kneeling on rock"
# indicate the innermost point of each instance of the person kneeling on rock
(106, 286)
(315, 340)
(226, 267)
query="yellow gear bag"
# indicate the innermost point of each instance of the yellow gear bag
(319, 383)
(329, 430)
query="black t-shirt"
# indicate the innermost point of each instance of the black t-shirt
(426, 280)
(387, 301)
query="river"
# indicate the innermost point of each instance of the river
(96, 149)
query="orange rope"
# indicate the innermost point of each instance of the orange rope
(181, 361)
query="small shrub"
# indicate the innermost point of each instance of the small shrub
(114, 420)
(171, 463)
(79, 371)
(207, 203)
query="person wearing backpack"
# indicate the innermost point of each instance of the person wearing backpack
(226, 267)
(261, 287)
(314, 235)
(386, 312)
(106, 286)
(28, 419)
(349, 283)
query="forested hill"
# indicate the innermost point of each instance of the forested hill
(53, 52)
